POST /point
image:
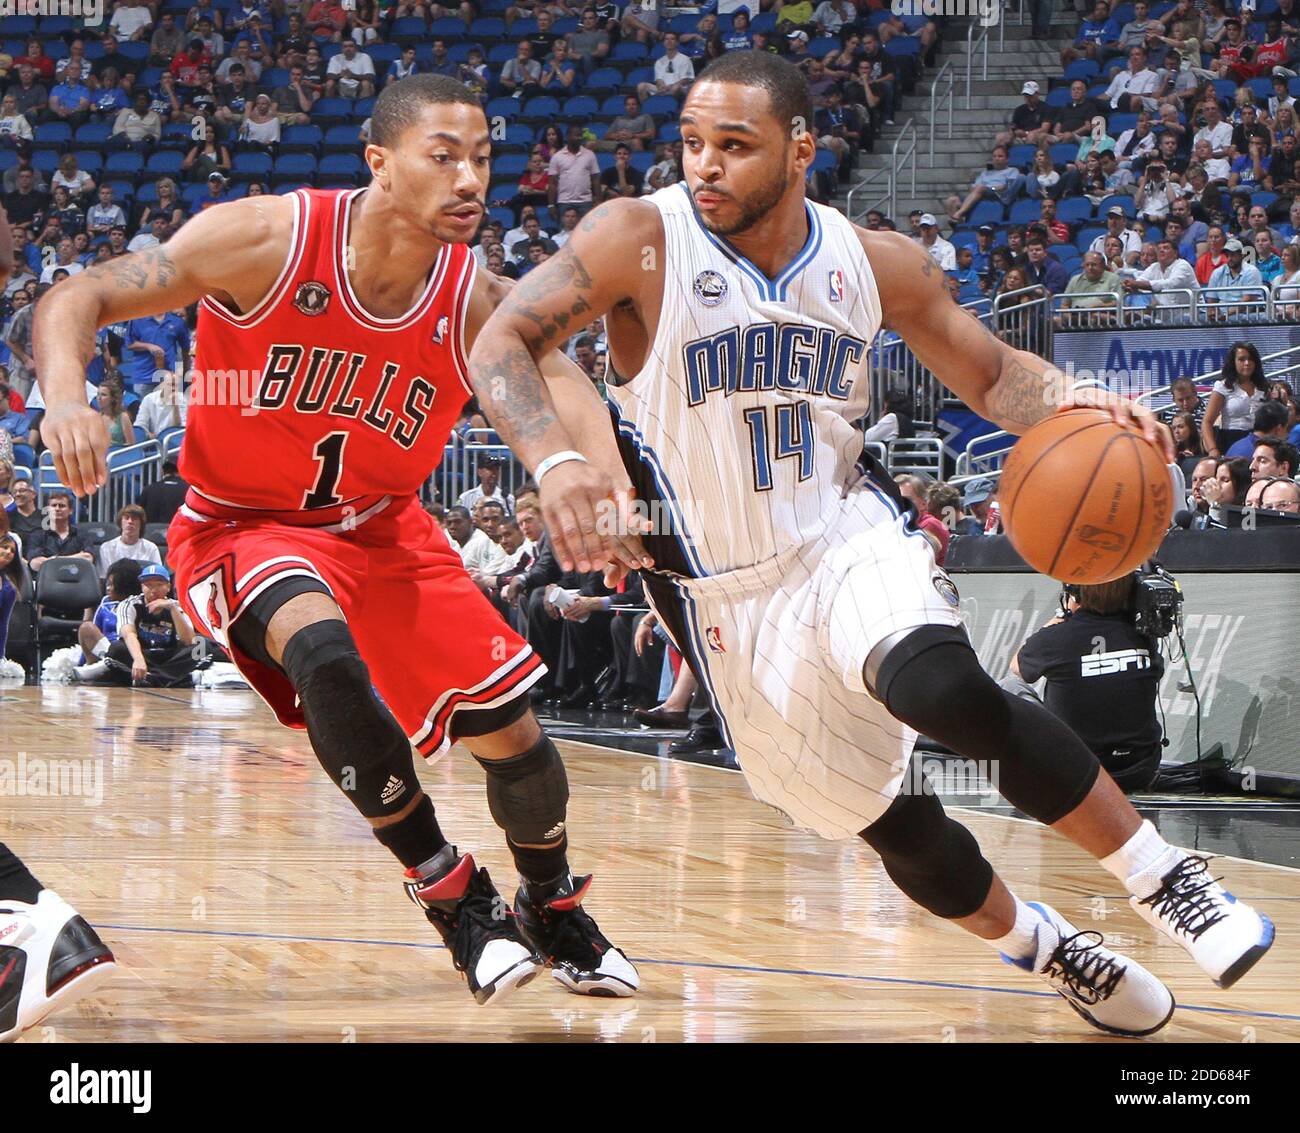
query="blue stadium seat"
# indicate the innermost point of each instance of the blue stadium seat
(8, 159)
(1085, 69)
(517, 135)
(125, 163)
(297, 167)
(250, 166)
(903, 45)
(1087, 234)
(1063, 152)
(134, 49)
(501, 54)
(382, 54)
(90, 161)
(501, 108)
(93, 133)
(51, 135)
(629, 53)
(510, 165)
(340, 139)
(341, 169)
(274, 77)
(408, 28)
(612, 107)
(57, 25)
(542, 108)
(660, 105)
(488, 28)
(1073, 210)
(1058, 97)
(1118, 123)
(521, 29)
(1261, 88)
(1022, 156)
(1226, 89)
(178, 136)
(986, 212)
(163, 163)
(20, 26)
(1025, 211)
(123, 193)
(301, 139)
(766, 22)
(642, 160)
(1264, 199)
(449, 27)
(580, 106)
(505, 216)
(668, 132)
(362, 109)
(639, 75)
(547, 219)
(963, 237)
(46, 161)
(459, 52)
(604, 79)
(331, 112)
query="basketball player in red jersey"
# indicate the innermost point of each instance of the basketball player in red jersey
(302, 544)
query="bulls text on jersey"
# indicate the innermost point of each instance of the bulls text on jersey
(320, 381)
(791, 357)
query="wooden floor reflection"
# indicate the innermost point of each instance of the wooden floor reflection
(246, 901)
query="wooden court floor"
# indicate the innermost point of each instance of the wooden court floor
(246, 901)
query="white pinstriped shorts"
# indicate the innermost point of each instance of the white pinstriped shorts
(781, 646)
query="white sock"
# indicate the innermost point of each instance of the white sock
(1021, 943)
(1142, 860)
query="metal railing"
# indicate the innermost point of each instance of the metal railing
(920, 455)
(890, 174)
(1290, 355)
(130, 470)
(1235, 305)
(937, 101)
(1023, 319)
(457, 472)
(976, 43)
(1091, 311)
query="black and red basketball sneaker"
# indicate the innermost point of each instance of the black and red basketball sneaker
(49, 957)
(475, 922)
(554, 922)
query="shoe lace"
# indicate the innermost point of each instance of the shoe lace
(1186, 897)
(477, 918)
(575, 936)
(1088, 972)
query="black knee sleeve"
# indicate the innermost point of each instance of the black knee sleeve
(528, 794)
(362, 748)
(931, 858)
(938, 687)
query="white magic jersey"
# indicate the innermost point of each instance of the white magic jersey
(750, 386)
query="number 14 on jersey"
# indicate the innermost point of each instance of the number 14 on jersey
(794, 438)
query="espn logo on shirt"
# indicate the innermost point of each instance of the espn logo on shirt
(1104, 664)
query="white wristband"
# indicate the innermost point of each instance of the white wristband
(554, 459)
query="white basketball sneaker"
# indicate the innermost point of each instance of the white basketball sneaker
(1113, 993)
(49, 957)
(1226, 937)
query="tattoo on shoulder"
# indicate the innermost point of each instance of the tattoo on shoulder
(591, 221)
(152, 266)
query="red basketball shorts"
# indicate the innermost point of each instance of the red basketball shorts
(433, 643)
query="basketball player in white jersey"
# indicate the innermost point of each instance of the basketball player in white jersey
(740, 318)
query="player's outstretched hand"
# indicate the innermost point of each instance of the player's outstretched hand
(1126, 412)
(592, 524)
(78, 440)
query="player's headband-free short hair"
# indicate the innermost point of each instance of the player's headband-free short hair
(785, 85)
(399, 104)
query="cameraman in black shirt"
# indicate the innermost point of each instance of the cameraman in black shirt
(1102, 679)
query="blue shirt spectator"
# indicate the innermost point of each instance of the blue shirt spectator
(70, 96)
(168, 332)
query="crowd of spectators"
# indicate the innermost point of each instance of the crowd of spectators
(1157, 173)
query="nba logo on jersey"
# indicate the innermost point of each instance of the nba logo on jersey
(837, 286)
(440, 331)
(713, 635)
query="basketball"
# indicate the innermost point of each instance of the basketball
(1083, 499)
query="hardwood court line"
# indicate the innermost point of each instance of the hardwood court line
(963, 809)
(903, 981)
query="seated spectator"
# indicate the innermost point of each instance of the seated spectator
(294, 100)
(999, 181)
(673, 72)
(1044, 269)
(1274, 457)
(640, 21)
(13, 124)
(218, 193)
(876, 86)
(1074, 120)
(521, 75)
(472, 543)
(1132, 89)
(153, 343)
(1088, 43)
(1169, 274)
(261, 124)
(590, 43)
(326, 20)
(667, 170)
(23, 516)
(162, 499)
(1226, 282)
(105, 214)
(206, 157)
(559, 73)
(131, 544)
(895, 421)
(31, 96)
(489, 486)
(1227, 488)
(156, 647)
(99, 632)
(65, 259)
(163, 407)
(404, 67)
(621, 179)
(351, 73)
(1214, 256)
(1031, 121)
(11, 581)
(633, 128)
(60, 539)
(117, 421)
(1275, 493)
(234, 98)
(138, 123)
(1187, 442)
(975, 500)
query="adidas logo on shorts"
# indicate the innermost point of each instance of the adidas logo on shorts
(393, 789)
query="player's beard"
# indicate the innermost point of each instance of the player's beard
(753, 207)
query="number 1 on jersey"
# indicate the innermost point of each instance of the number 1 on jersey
(329, 455)
(794, 437)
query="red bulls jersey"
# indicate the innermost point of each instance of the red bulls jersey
(308, 401)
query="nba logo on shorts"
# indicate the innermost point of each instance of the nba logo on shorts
(837, 286)
(713, 635)
(440, 331)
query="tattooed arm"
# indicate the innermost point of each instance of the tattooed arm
(1012, 388)
(234, 252)
(608, 259)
